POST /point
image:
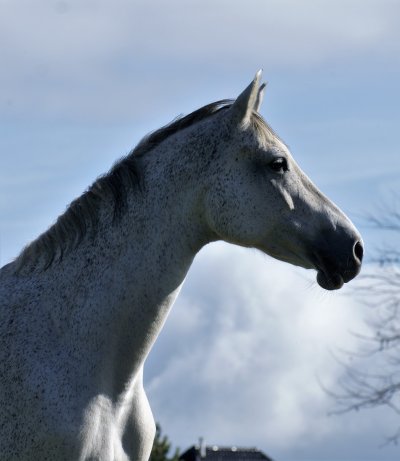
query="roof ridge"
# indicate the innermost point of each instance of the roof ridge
(224, 452)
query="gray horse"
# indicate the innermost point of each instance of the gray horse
(82, 305)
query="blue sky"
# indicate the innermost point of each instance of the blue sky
(241, 355)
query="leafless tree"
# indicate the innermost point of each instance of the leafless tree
(372, 376)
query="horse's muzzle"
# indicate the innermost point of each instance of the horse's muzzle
(339, 263)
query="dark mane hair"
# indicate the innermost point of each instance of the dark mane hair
(82, 214)
(156, 137)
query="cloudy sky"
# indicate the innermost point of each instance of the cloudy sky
(248, 341)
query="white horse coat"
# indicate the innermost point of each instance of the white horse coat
(82, 305)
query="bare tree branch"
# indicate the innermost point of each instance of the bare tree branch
(372, 375)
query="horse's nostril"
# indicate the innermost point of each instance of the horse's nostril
(358, 251)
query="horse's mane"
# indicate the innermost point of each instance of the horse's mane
(82, 215)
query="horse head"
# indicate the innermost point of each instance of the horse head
(258, 197)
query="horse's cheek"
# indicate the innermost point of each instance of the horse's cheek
(234, 216)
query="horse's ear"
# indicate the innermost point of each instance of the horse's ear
(249, 100)
(260, 97)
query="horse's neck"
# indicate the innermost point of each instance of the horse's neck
(129, 278)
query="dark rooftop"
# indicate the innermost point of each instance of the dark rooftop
(216, 453)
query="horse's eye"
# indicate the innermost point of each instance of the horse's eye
(279, 165)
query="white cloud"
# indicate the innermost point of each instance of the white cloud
(192, 31)
(58, 57)
(243, 350)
